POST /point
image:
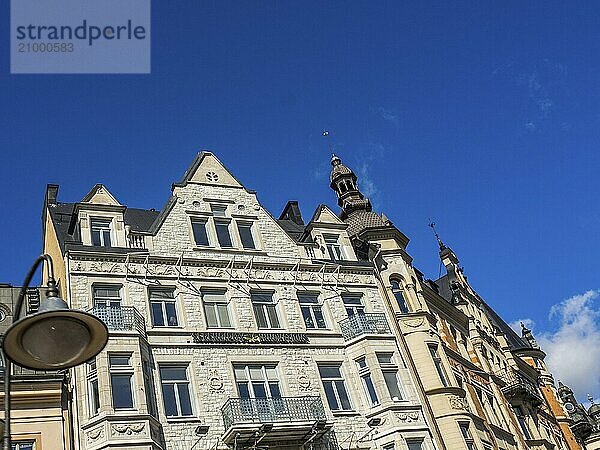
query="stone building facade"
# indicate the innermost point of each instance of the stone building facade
(232, 329)
(229, 328)
(41, 407)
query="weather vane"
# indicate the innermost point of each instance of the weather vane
(437, 236)
(326, 136)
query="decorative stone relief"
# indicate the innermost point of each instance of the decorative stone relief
(303, 380)
(128, 429)
(414, 323)
(215, 382)
(458, 403)
(95, 434)
(409, 417)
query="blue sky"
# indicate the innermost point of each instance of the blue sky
(484, 116)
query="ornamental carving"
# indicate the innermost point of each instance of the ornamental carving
(414, 323)
(303, 381)
(458, 403)
(95, 434)
(409, 417)
(128, 429)
(215, 382)
(231, 337)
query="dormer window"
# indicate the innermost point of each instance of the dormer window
(245, 231)
(333, 247)
(101, 231)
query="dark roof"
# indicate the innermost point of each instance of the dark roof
(514, 340)
(292, 228)
(140, 220)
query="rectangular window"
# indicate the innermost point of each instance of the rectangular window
(223, 235)
(312, 311)
(23, 445)
(107, 296)
(176, 390)
(216, 309)
(245, 231)
(414, 445)
(333, 247)
(264, 310)
(335, 388)
(149, 387)
(199, 230)
(101, 232)
(522, 421)
(353, 304)
(438, 364)
(257, 381)
(162, 305)
(92, 387)
(219, 210)
(466, 433)
(121, 379)
(390, 375)
(367, 382)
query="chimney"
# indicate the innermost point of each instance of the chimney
(51, 193)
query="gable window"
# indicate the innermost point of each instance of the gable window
(121, 379)
(245, 231)
(437, 361)
(264, 309)
(101, 232)
(398, 292)
(312, 311)
(162, 304)
(199, 230)
(367, 382)
(257, 381)
(216, 309)
(390, 375)
(353, 304)
(333, 247)
(92, 387)
(176, 390)
(223, 235)
(335, 388)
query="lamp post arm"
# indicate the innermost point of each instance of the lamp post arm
(52, 292)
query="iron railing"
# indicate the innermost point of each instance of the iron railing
(518, 386)
(358, 324)
(272, 410)
(122, 318)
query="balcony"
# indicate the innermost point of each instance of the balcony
(272, 420)
(519, 387)
(136, 240)
(359, 324)
(123, 318)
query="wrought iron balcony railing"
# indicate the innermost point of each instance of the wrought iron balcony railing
(272, 410)
(358, 324)
(123, 318)
(519, 386)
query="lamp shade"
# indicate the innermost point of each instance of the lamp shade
(55, 338)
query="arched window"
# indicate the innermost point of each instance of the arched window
(398, 292)
(343, 187)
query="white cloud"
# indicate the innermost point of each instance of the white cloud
(387, 114)
(573, 349)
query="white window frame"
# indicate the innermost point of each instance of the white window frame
(163, 307)
(176, 384)
(212, 304)
(106, 223)
(310, 307)
(91, 376)
(266, 378)
(122, 370)
(439, 364)
(391, 368)
(335, 249)
(107, 301)
(356, 308)
(204, 221)
(366, 380)
(335, 388)
(264, 307)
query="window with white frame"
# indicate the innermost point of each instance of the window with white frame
(367, 382)
(107, 296)
(389, 369)
(176, 390)
(200, 233)
(101, 232)
(466, 434)
(121, 380)
(415, 444)
(245, 233)
(222, 224)
(257, 380)
(216, 309)
(265, 310)
(93, 393)
(333, 247)
(353, 304)
(439, 366)
(23, 445)
(335, 387)
(312, 311)
(162, 305)
(398, 292)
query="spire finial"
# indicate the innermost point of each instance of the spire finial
(590, 398)
(437, 236)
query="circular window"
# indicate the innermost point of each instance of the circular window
(212, 176)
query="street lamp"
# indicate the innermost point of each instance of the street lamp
(53, 338)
